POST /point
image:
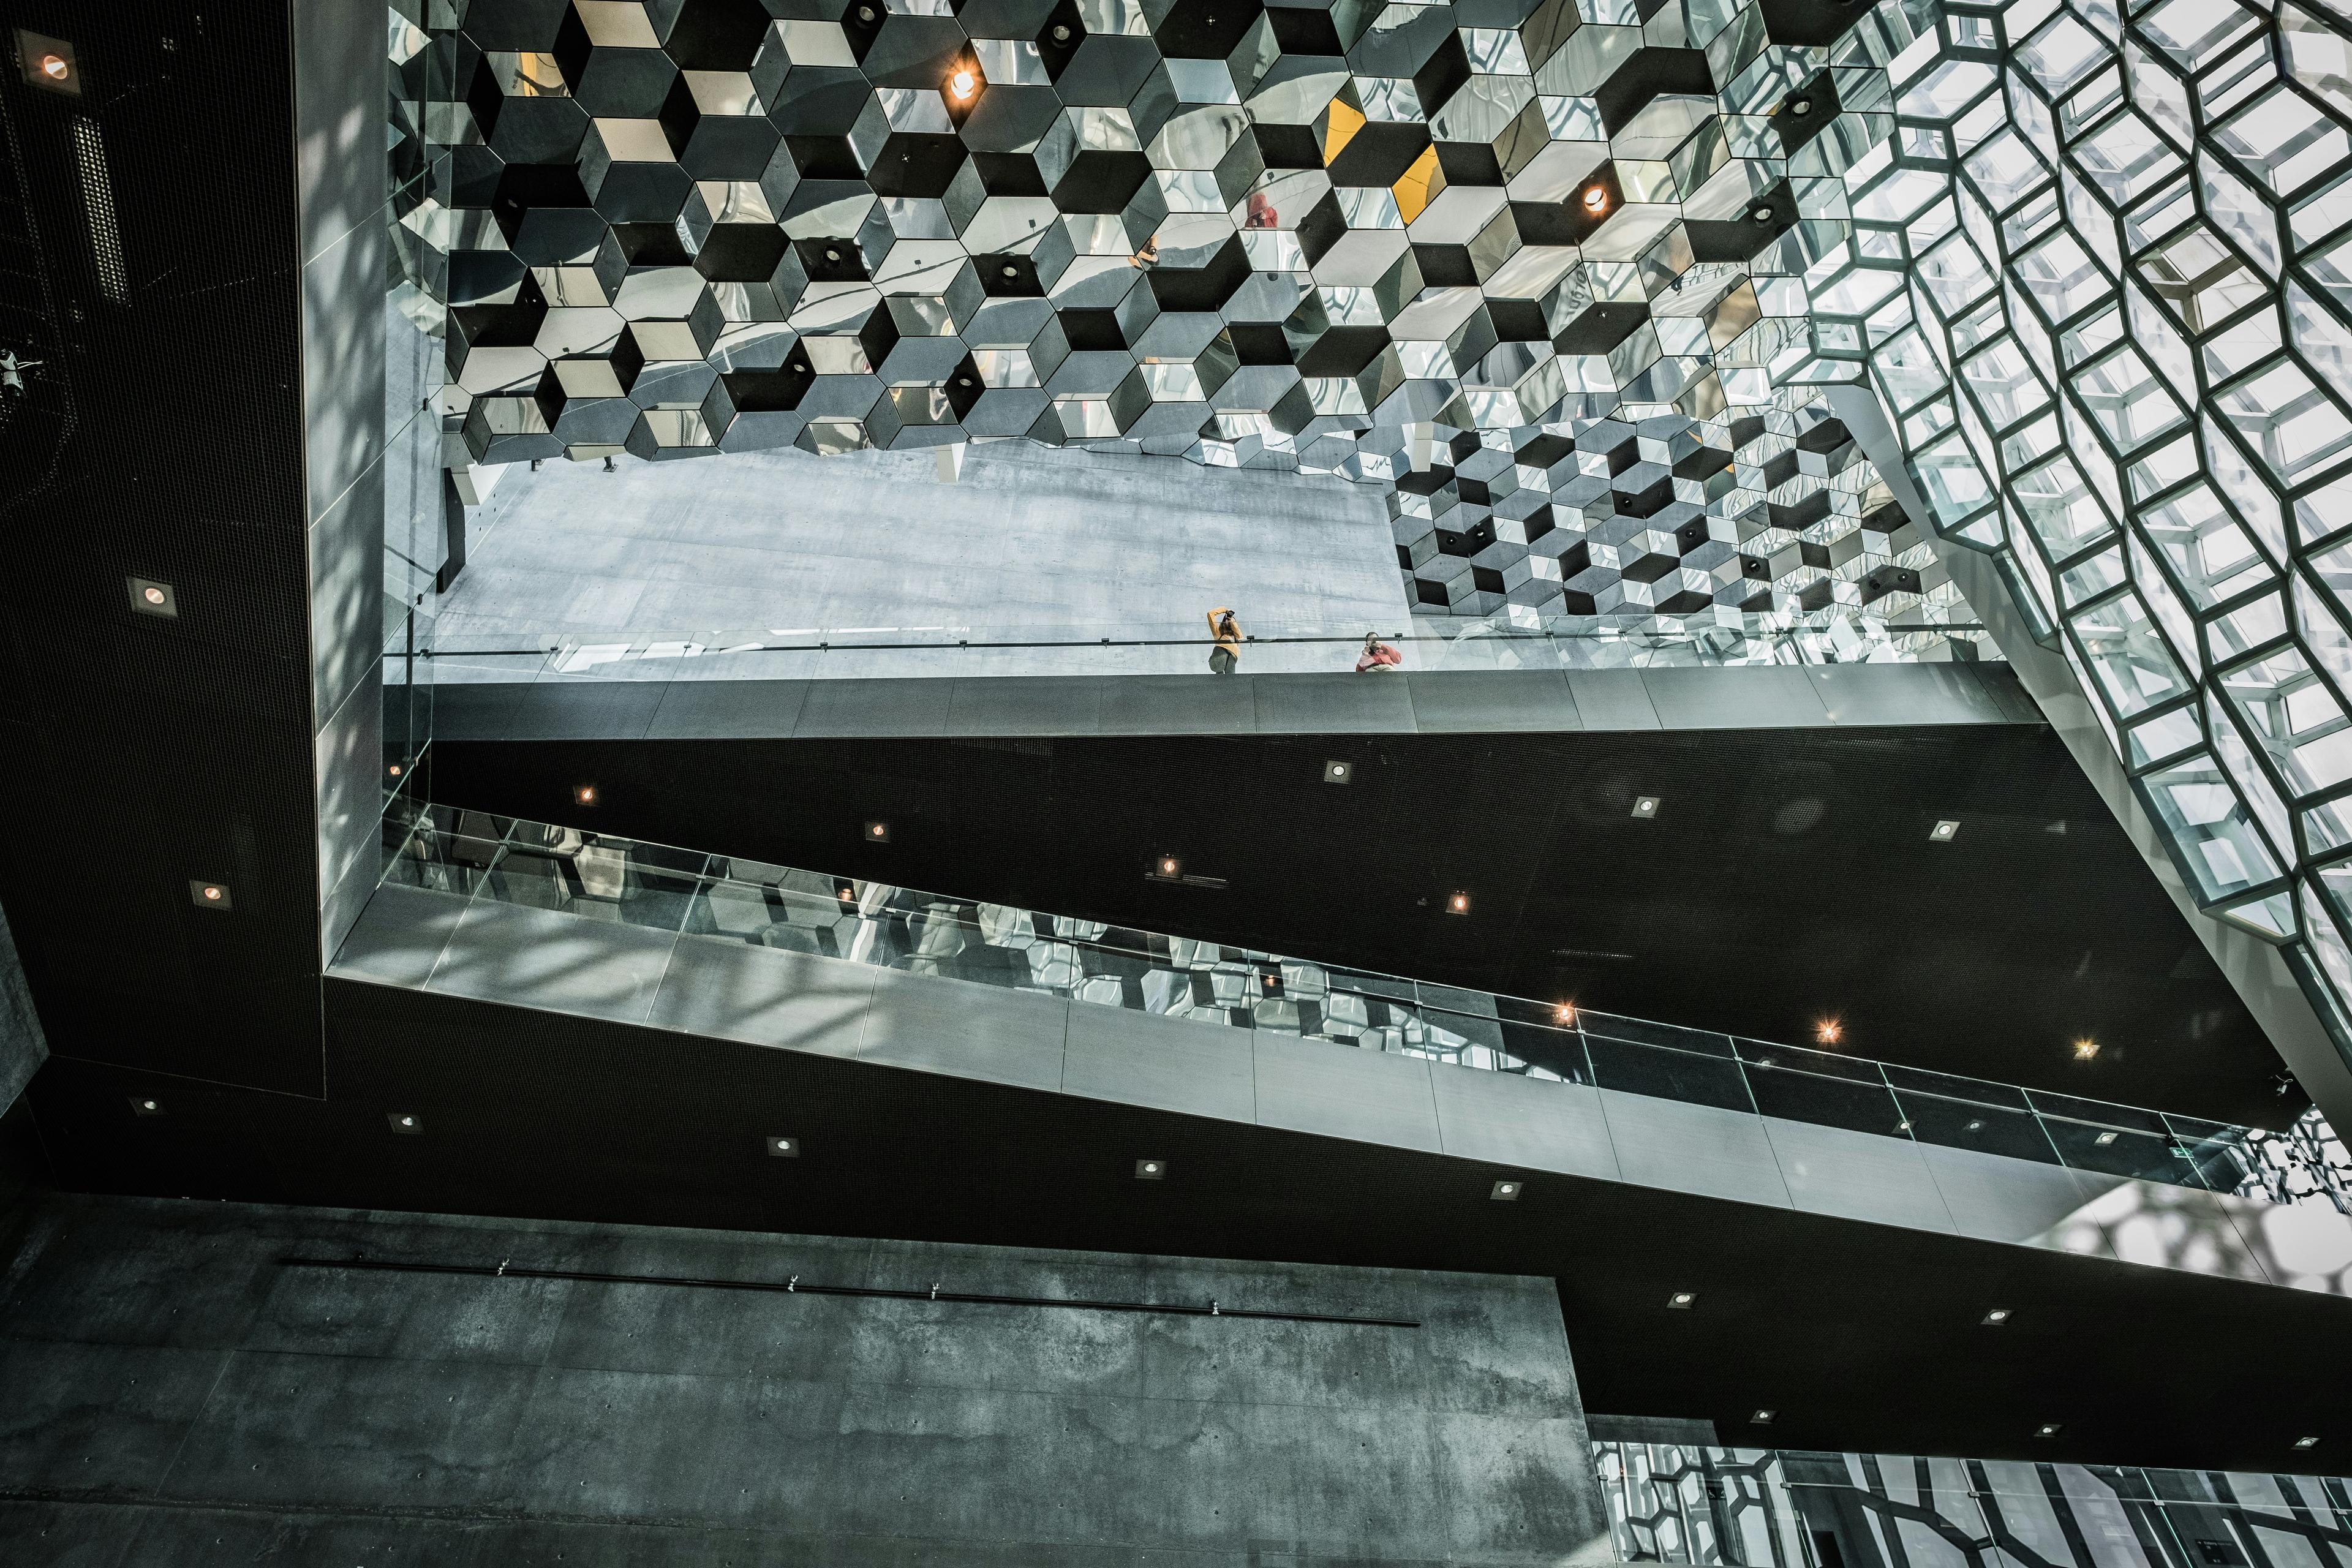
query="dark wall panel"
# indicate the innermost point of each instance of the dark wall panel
(144, 752)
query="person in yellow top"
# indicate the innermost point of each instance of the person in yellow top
(1227, 632)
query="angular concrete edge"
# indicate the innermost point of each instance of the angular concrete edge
(677, 707)
(714, 988)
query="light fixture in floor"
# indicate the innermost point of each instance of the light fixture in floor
(405, 1123)
(209, 896)
(1337, 771)
(878, 832)
(1150, 1169)
(783, 1148)
(1944, 832)
(1683, 1300)
(1646, 805)
(1505, 1192)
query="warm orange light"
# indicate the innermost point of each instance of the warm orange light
(1829, 1032)
(213, 893)
(54, 66)
(1459, 903)
(152, 595)
(1596, 199)
(1564, 1014)
(961, 84)
(395, 770)
(2085, 1050)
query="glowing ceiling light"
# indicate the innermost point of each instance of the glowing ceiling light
(1595, 199)
(962, 83)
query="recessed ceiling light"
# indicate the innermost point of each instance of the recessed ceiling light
(2085, 1050)
(1564, 1014)
(1595, 198)
(1646, 805)
(1973, 1127)
(1150, 1169)
(783, 1148)
(1944, 832)
(54, 68)
(1763, 214)
(405, 1123)
(2306, 1442)
(151, 598)
(1829, 1031)
(2103, 1138)
(1996, 1318)
(1337, 772)
(1458, 903)
(1801, 107)
(393, 770)
(1168, 868)
(1061, 32)
(1683, 1299)
(145, 1105)
(962, 84)
(2047, 1429)
(1763, 1417)
(1505, 1191)
(584, 794)
(878, 832)
(209, 896)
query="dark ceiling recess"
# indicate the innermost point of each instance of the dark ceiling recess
(1788, 878)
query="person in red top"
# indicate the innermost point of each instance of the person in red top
(1378, 655)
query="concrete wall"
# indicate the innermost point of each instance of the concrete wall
(22, 1049)
(174, 1396)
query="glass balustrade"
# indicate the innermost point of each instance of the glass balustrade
(599, 876)
(1178, 645)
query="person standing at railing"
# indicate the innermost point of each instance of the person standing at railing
(1227, 632)
(1378, 655)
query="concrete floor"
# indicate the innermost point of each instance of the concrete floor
(1031, 541)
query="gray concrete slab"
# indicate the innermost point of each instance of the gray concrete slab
(400, 935)
(474, 1421)
(1180, 705)
(909, 707)
(1896, 694)
(997, 1035)
(1860, 1175)
(1747, 697)
(1171, 1063)
(1491, 702)
(1611, 699)
(1337, 704)
(732, 990)
(730, 709)
(1339, 1092)
(1031, 705)
(1508, 1120)
(547, 958)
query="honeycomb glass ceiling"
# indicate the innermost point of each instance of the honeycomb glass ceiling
(1536, 270)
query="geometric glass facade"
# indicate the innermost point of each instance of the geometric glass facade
(1567, 279)
(2101, 280)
